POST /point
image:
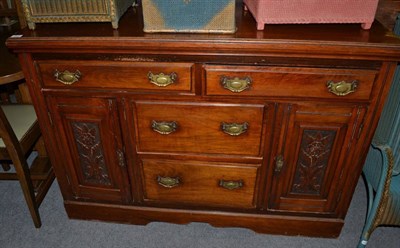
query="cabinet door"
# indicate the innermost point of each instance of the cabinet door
(312, 156)
(91, 150)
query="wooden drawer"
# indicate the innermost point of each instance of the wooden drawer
(117, 75)
(289, 82)
(198, 128)
(211, 184)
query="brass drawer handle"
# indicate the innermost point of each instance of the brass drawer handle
(66, 77)
(231, 185)
(161, 79)
(164, 127)
(342, 88)
(234, 129)
(168, 182)
(236, 84)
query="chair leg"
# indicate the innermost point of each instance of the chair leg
(42, 154)
(27, 189)
(46, 174)
(25, 97)
(366, 232)
(362, 243)
(40, 148)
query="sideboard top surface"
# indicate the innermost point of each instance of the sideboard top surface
(306, 40)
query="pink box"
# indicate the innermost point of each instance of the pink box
(312, 11)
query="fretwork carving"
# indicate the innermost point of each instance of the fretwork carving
(90, 151)
(315, 150)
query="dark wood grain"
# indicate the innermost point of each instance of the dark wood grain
(201, 133)
(90, 141)
(310, 133)
(306, 82)
(321, 137)
(347, 40)
(288, 225)
(118, 75)
(198, 180)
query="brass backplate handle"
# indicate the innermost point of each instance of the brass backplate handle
(164, 127)
(66, 77)
(236, 84)
(342, 88)
(234, 129)
(168, 182)
(231, 185)
(279, 163)
(161, 79)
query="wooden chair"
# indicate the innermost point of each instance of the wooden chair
(383, 183)
(382, 167)
(19, 132)
(11, 12)
(6, 13)
(19, 129)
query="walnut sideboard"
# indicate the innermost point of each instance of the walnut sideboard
(266, 130)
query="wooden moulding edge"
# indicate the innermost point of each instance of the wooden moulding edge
(260, 223)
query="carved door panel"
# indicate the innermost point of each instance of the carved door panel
(315, 143)
(89, 139)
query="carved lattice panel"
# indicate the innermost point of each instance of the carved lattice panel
(91, 155)
(314, 154)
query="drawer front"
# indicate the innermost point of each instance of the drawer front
(289, 82)
(208, 184)
(199, 128)
(117, 75)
